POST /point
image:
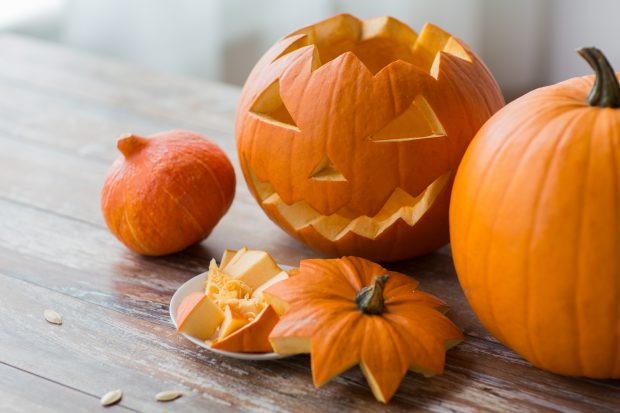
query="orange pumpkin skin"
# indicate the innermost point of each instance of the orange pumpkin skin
(342, 124)
(535, 229)
(166, 192)
(253, 337)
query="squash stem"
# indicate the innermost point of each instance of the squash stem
(606, 91)
(130, 144)
(370, 298)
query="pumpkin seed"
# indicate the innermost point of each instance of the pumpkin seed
(111, 397)
(52, 317)
(169, 395)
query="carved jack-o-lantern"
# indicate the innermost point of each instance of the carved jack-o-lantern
(349, 133)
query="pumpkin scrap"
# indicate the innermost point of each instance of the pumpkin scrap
(247, 319)
(352, 311)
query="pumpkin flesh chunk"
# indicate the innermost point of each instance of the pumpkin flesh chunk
(199, 316)
(254, 268)
(246, 318)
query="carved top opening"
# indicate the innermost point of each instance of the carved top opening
(377, 42)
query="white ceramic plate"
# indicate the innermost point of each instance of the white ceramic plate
(197, 284)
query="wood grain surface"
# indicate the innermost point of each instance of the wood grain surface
(60, 114)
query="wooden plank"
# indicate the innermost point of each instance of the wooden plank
(44, 236)
(127, 285)
(74, 123)
(66, 71)
(21, 392)
(52, 235)
(116, 350)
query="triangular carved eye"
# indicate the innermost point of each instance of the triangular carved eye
(327, 171)
(270, 108)
(417, 122)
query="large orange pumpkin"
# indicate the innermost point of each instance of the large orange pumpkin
(535, 224)
(349, 133)
(166, 192)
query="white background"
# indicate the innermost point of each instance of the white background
(526, 43)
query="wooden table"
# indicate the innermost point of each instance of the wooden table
(60, 113)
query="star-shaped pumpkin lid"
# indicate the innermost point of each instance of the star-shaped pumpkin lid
(351, 311)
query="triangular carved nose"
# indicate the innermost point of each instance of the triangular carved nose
(326, 171)
(417, 122)
(270, 108)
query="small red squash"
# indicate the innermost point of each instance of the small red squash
(166, 192)
(535, 224)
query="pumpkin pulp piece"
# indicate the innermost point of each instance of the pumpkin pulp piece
(370, 298)
(233, 321)
(198, 316)
(605, 92)
(252, 337)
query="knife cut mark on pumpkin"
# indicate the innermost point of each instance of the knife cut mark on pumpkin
(344, 33)
(270, 108)
(419, 121)
(326, 171)
(400, 205)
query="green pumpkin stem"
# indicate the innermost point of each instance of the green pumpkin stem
(606, 91)
(370, 299)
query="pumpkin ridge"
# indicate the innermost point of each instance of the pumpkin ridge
(580, 238)
(496, 157)
(184, 209)
(429, 350)
(329, 338)
(216, 182)
(487, 253)
(560, 138)
(130, 227)
(188, 213)
(477, 90)
(482, 182)
(615, 366)
(371, 371)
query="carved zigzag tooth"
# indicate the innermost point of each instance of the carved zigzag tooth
(455, 48)
(303, 40)
(452, 47)
(388, 27)
(429, 45)
(400, 205)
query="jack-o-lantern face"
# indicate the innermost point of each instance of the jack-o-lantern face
(349, 133)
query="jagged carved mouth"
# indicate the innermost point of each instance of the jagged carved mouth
(399, 206)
